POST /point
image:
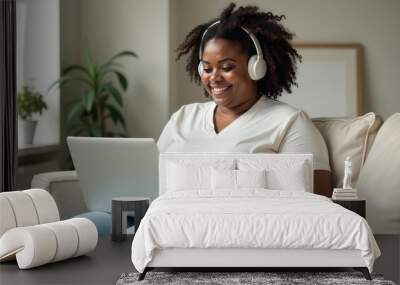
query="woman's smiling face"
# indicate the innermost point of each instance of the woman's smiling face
(225, 75)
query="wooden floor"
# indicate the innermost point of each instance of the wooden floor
(103, 266)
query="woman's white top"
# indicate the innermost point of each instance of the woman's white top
(269, 126)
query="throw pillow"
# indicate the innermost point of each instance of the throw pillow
(348, 137)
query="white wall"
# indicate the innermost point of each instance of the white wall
(374, 24)
(41, 62)
(141, 26)
(173, 67)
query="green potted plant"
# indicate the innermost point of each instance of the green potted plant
(29, 104)
(101, 100)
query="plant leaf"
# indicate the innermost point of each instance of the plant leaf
(77, 130)
(95, 131)
(74, 110)
(29, 102)
(105, 68)
(95, 78)
(123, 53)
(88, 99)
(112, 64)
(115, 93)
(66, 79)
(76, 67)
(60, 82)
(116, 115)
(84, 80)
(90, 65)
(122, 79)
(91, 127)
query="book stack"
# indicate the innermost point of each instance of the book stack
(344, 194)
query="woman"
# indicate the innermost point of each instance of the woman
(244, 60)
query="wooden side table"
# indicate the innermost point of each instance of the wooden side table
(358, 206)
(121, 207)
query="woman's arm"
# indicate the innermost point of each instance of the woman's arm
(303, 137)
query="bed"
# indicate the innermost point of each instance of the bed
(246, 211)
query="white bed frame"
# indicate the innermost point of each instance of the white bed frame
(234, 257)
(249, 258)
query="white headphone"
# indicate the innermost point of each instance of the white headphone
(257, 67)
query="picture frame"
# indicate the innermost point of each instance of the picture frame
(329, 80)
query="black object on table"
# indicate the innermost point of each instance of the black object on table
(358, 206)
(122, 207)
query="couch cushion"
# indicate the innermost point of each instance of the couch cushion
(379, 181)
(348, 137)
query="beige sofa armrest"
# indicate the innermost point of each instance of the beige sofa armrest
(64, 187)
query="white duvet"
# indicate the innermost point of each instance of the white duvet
(250, 219)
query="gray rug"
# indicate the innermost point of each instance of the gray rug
(270, 278)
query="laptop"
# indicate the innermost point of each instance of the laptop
(114, 167)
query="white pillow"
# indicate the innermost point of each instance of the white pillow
(282, 174)
(251, 179)
(187, 174)
(223, 179)
(293, 179)
(228, 179)
(191, 173)
(181, 178)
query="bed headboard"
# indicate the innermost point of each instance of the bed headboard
(236, 158)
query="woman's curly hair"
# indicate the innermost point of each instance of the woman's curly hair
(274, 38)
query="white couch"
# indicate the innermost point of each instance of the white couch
(373, 147)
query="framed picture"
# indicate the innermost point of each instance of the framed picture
(329, 81)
